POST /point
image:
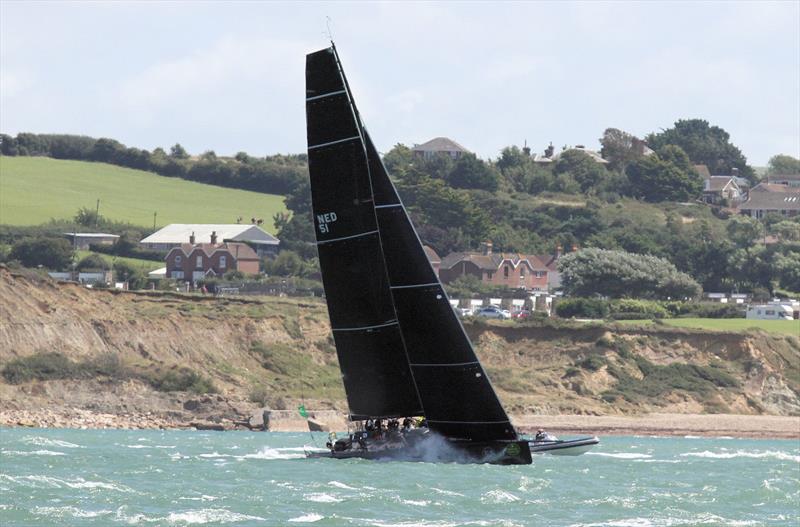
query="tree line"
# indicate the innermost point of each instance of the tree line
(277, 174)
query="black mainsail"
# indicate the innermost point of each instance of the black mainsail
(401, 348)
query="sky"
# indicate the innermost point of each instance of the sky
(229, 77)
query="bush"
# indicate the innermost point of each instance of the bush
(582, 308)
(179, 380)
(630, 309)
(41, 366)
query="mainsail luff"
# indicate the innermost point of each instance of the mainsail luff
(447, 378)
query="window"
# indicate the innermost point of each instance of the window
(506, 269)
(522, 272)
(178, 260)
(199, 262)
(489, 275)
(178, 275)
(222, 262)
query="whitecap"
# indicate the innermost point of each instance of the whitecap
(36, 481)
(774, 454)
(201, 516)
(339, 485)
(498, 496)
(321, 497)
(416, 503)
(31, 453)
(307, 518)
(446, 492)
(75, 512)
(274, 453)
(620, 455)
(44, 441)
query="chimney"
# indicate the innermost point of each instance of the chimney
(191, 238)
(559, 250)
(526, 149)
(486, 247)
(213, 237)
(549, 151)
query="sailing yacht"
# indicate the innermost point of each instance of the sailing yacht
(402, 350)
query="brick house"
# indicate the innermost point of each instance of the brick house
(191, 261)
(516, 271)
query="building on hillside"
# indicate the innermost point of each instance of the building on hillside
(717, 189)
(766, 198)
(82, 240)
(439, 146)
(551, 156)
(192, 261)
(433, 258)
(176, 234)
(516, 271)
(790, 180)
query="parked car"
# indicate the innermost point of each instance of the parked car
(493, 312)
(523, 313)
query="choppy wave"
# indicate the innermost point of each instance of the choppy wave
(39, 481)
(201, 516)
(340, 485)
(700, 520)
(498, 496)
(74, 512)
(307, 518)
(774, 454)
(322, 497)
(31, 453)
(46, 441)
(620, 455)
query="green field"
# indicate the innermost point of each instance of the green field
(788, 327)
(144, 265)
(35, 189)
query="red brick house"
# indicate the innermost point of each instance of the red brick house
(528, 271)
(194, 261)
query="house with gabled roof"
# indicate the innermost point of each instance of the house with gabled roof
(190, 262)
(176, 234)
(439, 146)
(717, 189)
(768, 198)
(514, 270)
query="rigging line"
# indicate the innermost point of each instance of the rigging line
(386, 325)
(312, 147)
(320, 242)
(329, 94)
(388, 206)
(430, 284)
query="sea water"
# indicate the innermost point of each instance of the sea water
(122, 477)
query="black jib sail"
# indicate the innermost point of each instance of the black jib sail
(401, 348)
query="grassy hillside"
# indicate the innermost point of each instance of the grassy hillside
(35, 189)
(787, 327)
(145, 265)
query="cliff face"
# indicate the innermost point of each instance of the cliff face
(277, 352)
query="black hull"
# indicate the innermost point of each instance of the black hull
(438, 450)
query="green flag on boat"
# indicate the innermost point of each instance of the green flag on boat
(302, 410)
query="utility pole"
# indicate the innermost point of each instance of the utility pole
(154, 220)
(97, 213)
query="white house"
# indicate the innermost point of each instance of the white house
(176, 234)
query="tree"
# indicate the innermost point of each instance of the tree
(52, 253)
(743, 231)
(620, 148)
(470, 172)
(586, 172)
(704, 144)
(782, 164)
(620, 274)
(669, 178)
(178, 152)
(287, 263)
(92, 262)
(126, 272)
(88, 217)
(106, 150)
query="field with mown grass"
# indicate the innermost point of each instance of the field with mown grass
(144, 265)
(788, 327)
(35, 189)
